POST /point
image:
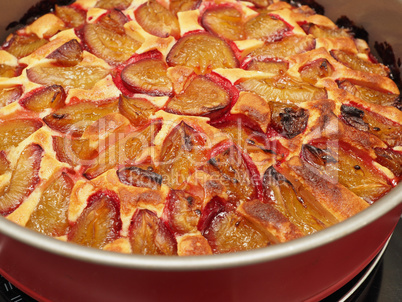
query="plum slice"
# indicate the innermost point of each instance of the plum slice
(138, 177)
(116, 4)
(313, 71)
(183, 212)
(70, 15)
(391, 159)
(13, 132)
(343, 164)
(147, 76)
(49, 97)
(194, 100)
(9, 95)
(265, 27)
(225, 22)
(354, 62)
(74, 151)
(99, 223)
(50, 216)
(182, 151)
(227, 231)
(269, 66)
(283, 89)
(24, 179)
(286, 47)
(287, 119)
(364, 120)
(157, 20)
(325, 32)
(183, 5)
(24, 45)
(137, 110)
(74, 119)
(4, 163)
(125, 150)
(81, 77)
(370, 95)
(108, 40)
(149, 236)
(68, 54)
(231, 169)
(7, 71)
(286, 201)
(202, 52)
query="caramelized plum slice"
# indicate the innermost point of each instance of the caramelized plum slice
(391, 159)
(231, 169)
(99, 223)
(73, 151)
(364, 120)
(137, 177)
(182, 151)
(370, 95)
(315, 70)
(49, 97)
(286, 201)
(74, 119)
(22, 46)
(225, 22)
(12, 132)
(183, 5)
(183, 212)
(354, 62)
(9, 95)
(288, 120)
(69, 54)
(148, 76)
(50, 216)
(24, 179)
(283, 89)
(229, 232)
(342, 163)
(7, 71)
(107, 38)
(81, 77)
(116, 4)
(157, 20)
(269, 67)
(286, 47)
(248, 139)
(4, 163)
(149, 236)
(70, 15)
(137, 110)
(265, 27)
(194, 100)
(326, 32)
(202, 52)
(126, 149)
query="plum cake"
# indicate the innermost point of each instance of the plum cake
(192, 127)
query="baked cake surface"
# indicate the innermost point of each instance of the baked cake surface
(192, 127)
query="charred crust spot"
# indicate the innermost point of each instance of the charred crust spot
(293, 121)
(354, 117)
(58, 116)
(358, 31)
(386, 53)
(213, 162)
(136, 176)
(190, 200)
(357, 167)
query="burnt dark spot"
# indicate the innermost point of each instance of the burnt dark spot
(386, 53)
(354, 117)
(357, 167)
(237, 224)
(198, 212)
(358, 31)
(138, 177)
(190, 200)
(37, 10)
(213, 162)
(292, 122)
(251, 142)
(58, 116)
(317, 156)
(376, 129)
